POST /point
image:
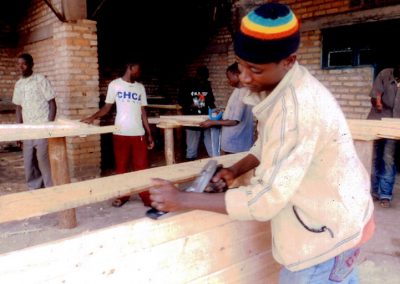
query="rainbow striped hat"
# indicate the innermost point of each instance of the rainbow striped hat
(267, 34)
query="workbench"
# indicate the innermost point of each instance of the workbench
(188, 247)
(363, 132)
(56, 133)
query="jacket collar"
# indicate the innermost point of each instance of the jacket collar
(263, 100)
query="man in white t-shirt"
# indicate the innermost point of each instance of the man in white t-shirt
(129, 140)
(35, 100)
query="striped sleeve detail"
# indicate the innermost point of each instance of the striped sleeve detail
(280, 153)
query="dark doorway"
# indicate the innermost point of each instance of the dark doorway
(164, 35)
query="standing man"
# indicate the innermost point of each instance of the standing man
(196, 98)
(237, 120)
(133, 136)
(385, 102)
(35, 100)
(309, 180)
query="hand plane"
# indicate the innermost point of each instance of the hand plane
(198, 185)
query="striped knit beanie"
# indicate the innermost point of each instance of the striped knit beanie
(267, 34)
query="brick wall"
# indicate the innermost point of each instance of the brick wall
(8, 76)
(218, 56)
(316, 8)
(350, 86)
(39, 15)
(303, 9)
(77, 88)
(66, 53)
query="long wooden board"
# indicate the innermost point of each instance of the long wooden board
(374, 129)
(183, 120)
(19, 206)
(174, 107)
(360, 129)
(197, 246)
(59, 128)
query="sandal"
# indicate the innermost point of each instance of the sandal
(118, 202)
(385, 203)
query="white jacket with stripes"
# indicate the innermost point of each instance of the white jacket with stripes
(310, 182)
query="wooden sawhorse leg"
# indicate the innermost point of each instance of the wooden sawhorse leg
(168, 142)
(60, 174)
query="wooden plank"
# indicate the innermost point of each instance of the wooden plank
(59, 128)
(153, 120)
(374, 128)
(197, 118)
(19, 206)
(169, 146)
(204, 253)
(74, 9)
(355, 17)
(390, 119)
(165, 123)
(175, 250)
(174, 107)
(183, 120)
(360, 129)
(260, 268)
(60, 175)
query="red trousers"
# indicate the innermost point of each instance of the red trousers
(130, 154)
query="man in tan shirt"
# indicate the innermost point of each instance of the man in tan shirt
(35, 100)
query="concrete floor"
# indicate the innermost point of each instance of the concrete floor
(380, 260)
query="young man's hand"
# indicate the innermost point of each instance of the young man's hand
(379, 105)
(377, 102)
(88, 120)
(165, 196)
(150, 142)
(208, 123)
(222, 179)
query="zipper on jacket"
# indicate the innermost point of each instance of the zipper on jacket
(320, 230)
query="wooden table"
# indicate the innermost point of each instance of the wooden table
(169, 123)
(364, 132)
(56, 133)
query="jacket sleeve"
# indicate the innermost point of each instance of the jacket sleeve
(286, 152)
(378, 86)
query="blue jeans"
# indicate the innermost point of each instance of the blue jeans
(383, 168)
(339, 269)
(211, 141)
